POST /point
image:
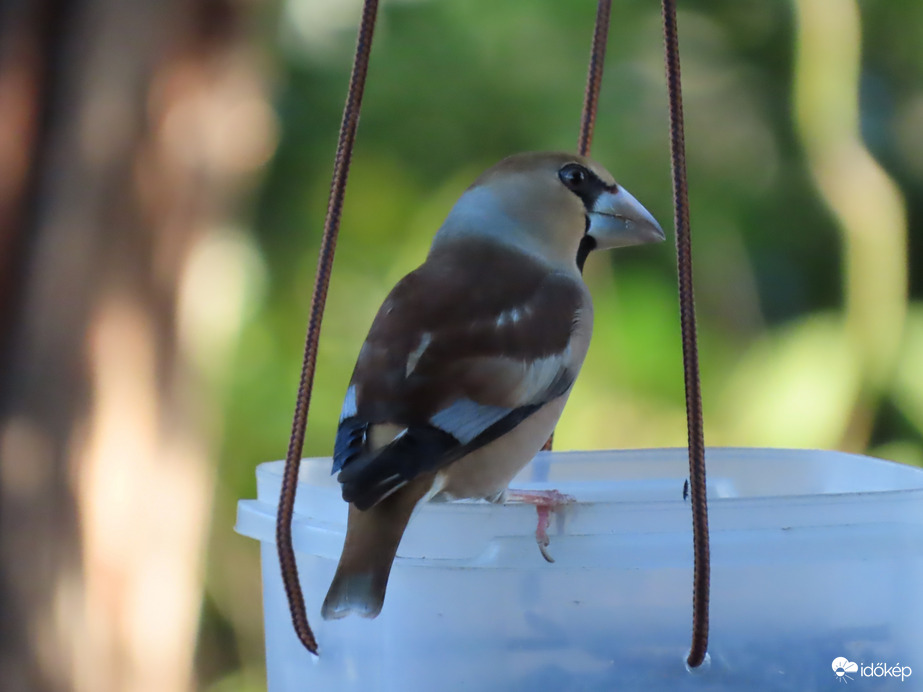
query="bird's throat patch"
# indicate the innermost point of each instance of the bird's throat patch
(587, 245)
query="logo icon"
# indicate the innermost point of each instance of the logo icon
(843, 666)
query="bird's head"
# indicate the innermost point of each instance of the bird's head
(556, 205)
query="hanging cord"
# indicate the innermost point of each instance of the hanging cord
(594, 80)
(318, 300)
(690, 350)
(594, 77)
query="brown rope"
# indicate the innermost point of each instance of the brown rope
(702, 569)
(594, 80)
(594, 77)
(318, 300)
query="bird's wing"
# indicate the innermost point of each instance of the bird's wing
(461, 351)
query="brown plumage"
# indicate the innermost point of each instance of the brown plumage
(470, 360)
(452, 305)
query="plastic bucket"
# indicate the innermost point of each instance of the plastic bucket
(815, 556)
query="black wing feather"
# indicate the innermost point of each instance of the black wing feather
(367, 480)
(421, 449)
(349, 442)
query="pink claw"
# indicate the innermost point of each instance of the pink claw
(546, 502)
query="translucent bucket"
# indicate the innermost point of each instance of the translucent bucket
(815, 556)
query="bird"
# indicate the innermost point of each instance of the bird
(470, 359)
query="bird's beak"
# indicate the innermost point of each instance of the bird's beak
(617, 219)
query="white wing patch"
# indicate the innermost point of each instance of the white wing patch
(466, 419)
(538, 375)
(512, 316)
(415, 355)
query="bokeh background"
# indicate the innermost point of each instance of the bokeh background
(164, 166)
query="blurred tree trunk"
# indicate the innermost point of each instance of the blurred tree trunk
(124, 131)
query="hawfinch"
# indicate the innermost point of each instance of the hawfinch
(472, 356)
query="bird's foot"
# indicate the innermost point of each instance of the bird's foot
(545, 502)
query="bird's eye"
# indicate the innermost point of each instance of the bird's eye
(574, 176)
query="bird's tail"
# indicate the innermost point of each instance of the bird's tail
(372, 539)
